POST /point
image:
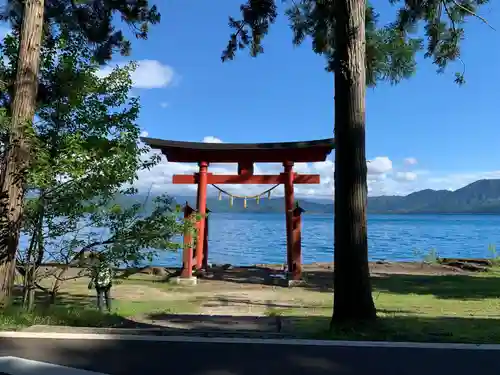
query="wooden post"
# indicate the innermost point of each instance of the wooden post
(297, 243)
(205, 243)
(289, 200)
(187, 252)
(201, 208)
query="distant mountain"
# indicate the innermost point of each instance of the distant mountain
(482, 196)
(264, 205)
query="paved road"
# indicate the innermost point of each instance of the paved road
(192, 358)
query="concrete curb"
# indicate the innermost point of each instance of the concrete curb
(152, 332)
(242, 340)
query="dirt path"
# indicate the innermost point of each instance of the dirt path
(243, 291)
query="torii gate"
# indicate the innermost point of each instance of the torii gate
(245, 155)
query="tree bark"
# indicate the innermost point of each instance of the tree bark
(35, 258)
(353, 295)
(28, 272)
(17, 158)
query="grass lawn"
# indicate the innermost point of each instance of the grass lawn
(435, 308)
(455, 308)
(76, 306)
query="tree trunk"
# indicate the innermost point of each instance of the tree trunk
(34, 258)
(28, 273)
(57, 284)
(353, 296)
(17, 158)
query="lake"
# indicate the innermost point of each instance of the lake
(246, 239)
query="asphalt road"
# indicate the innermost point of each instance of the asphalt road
(191, 358)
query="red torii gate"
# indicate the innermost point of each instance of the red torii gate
(245, 155)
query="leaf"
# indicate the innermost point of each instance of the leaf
(391, 49)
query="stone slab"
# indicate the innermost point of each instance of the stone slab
(190, 281)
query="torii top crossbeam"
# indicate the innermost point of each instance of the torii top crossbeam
(195, 152)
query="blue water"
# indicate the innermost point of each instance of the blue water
(247, 239)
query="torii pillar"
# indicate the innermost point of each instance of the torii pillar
(205, 242)
(187, 252)
(289, 199)
(296, 255)
(201, 206)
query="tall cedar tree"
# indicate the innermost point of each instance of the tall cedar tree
(36, 21)
(359, 53)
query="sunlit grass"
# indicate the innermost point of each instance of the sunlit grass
(416, 308)
(451, 308)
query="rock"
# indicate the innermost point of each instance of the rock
(477, 261)
(156, 271)
(200, 273)
(466, 266)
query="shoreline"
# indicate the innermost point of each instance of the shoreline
(444, 266)
(370, 213)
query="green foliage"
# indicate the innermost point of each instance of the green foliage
(124, 235)
(390, 49)
(443, 24)
(80, 23)
(4, 128)
(390, 56)
(432, 257)
(14, 318)
(85, 137)
(495, 257)
(133, 236)
(85, 150)
(91, 21)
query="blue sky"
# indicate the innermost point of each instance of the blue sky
(447, 134)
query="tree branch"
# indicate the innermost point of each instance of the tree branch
(472, 13)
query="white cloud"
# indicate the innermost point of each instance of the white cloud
(211, 139)
(410, 161)
(144, 133)
(405, 176)
(379, 166)
(149, 74)
(383, 178)
(164, 104)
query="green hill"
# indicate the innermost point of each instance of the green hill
(482, 196)
(265, 205)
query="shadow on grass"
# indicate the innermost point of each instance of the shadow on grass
(405, 328)
(386, 328)
(447, 287)
(217, 323)
(241, 275)
(465, 287)
(216, 301)
(75, 310)
(273, 307)
(485, 285)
